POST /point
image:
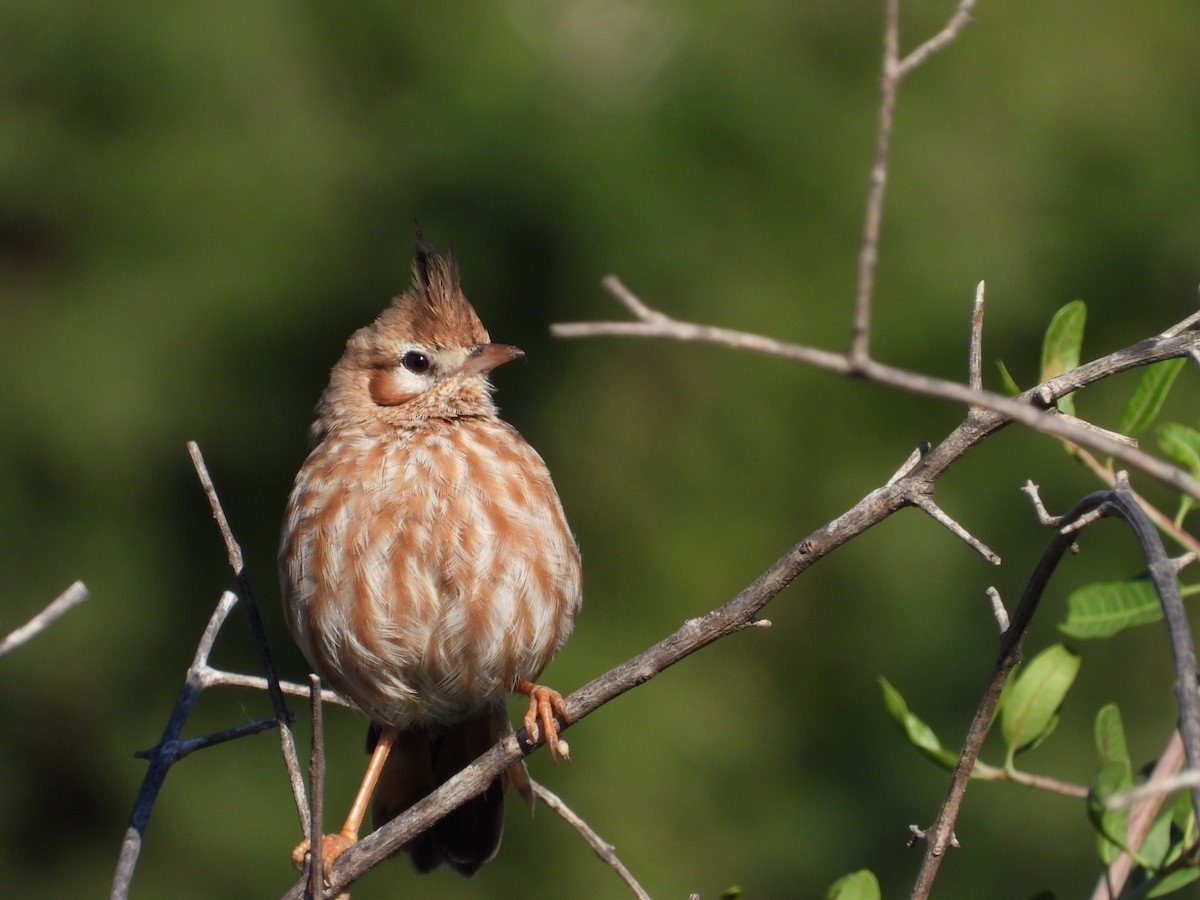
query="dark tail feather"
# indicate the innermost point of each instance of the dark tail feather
(420, 762)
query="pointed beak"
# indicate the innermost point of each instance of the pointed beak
(485, 357)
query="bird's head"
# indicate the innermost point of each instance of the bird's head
(427, 356)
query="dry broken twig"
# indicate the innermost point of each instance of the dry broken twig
(57, 608)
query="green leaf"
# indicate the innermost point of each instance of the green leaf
(860, 885)
(1158, 845)
(1116, 775)
(1110, 824)
(1174, 881)
(1006, 380)
(922, 737)
(1109, 607)
(1062, 344)
(918, 733)
(1148, 396)
(1041, 686)
(1182, 444)
(1181, 835)
(1110, 736)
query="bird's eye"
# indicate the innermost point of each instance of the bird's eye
(415, 362)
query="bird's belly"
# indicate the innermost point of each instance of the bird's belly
(419, 595)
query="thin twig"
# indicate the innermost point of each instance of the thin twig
(908, 464)
(603, 849)
(59, 606)
(939, 515)
(975, 354)
(630, 300)
(287, 742)
(1028, 408)
(998, 609)
(868, 253)
(221, 678)
(960, 20)
(1161, 520)
(894, 71)
(316, 870)
(940, 833)
(162, 756)
(1163, 574)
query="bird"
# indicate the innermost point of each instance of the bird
(426, 566)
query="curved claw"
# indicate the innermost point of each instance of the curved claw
(332, 846)
(544, 704)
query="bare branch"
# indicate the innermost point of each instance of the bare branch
(941, 832)
(59, 606)
(996, 411)
(221, 678)
(162, 756)
(631, 301)
(998, 609)
(939, 515)
(958, 21)
(287, 742)
(975, 355)
(1187, 324)
(603, 849)
(893, 72)
(316, 871)
(908, 465)
(868, 252)
(1043, 514)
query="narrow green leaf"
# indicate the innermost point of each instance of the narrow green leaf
(860, 885)
(1109, 607)
(1062, 344)
(1148, 396)
(1182, 444)
(1181, 835)
(1110, 736)
(1158, 844)
(1184, 819)
(1116, 775)
(1174, 881)
(1110, 824)
(1041, 686)
(1006, 380)
(918, 733)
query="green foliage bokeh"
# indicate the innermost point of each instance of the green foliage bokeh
(200, 202)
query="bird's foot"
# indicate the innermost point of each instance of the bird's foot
(332, 846)
(544, 703)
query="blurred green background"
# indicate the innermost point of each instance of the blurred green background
(199, 202)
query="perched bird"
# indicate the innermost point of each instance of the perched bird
(427, 568)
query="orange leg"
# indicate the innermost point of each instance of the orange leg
(332, 845)
(543, 704)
